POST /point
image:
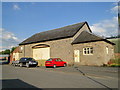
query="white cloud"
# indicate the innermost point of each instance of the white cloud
(16, 7)
(106, 27)
(8, 39)
(115, 9)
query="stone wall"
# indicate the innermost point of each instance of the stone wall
(99, 56)
(63, 49)
(58, 49)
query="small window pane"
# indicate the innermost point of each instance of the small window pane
(92, 51)
(88, 50)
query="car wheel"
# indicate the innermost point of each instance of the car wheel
(27, 65)
(13, 64)
(65, 65)
(54, 66)
(21, 64)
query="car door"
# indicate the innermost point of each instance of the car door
(57, 62)
(24, 61)
(60, 62)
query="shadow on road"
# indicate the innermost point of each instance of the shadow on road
(16, 84)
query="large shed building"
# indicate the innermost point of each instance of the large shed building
(74, 43)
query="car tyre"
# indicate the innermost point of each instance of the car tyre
(14, 65)
(21, 64)
(65, 65)
(54, 66)
(27, 65)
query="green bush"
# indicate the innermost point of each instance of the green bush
(115, 62)
(115, 65)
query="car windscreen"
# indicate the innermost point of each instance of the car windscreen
(23, 59)
(27, 59)
(31, 59)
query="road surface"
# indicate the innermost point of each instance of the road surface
(22, 77)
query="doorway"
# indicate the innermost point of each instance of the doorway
(76, 55)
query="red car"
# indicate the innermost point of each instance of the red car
(54, 62)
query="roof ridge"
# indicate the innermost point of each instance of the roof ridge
(62, 27)
(58, 33)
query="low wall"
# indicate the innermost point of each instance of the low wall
(41, 62)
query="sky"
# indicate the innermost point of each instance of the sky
(21, 20)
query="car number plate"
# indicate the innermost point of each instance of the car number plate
(34, 63)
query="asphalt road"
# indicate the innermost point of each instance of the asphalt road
(21, 77)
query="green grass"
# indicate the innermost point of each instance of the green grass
(114, 65)
(115, 62)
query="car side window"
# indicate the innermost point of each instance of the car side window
(23, 59)
(56, 60)
(60, 60)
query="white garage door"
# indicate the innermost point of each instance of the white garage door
(41, 53)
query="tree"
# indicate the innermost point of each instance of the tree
(13, 48)
(7, 51)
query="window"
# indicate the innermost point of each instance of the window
(31, 59)
(88, 51)
(107, 49)
(21, 49)
(14, 56)
(59, 60)
(49, 60)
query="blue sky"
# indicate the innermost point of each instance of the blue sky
(21, 20)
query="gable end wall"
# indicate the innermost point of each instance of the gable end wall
(84, 28)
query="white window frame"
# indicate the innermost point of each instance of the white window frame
(88, 51)
(21, 48)
(107, 49)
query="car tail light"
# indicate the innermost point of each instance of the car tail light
(48, 62)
